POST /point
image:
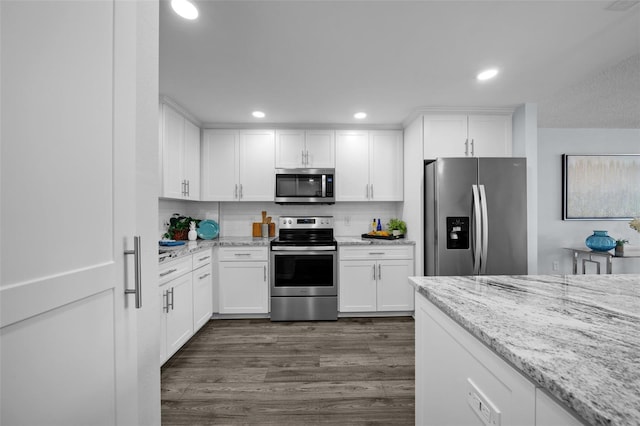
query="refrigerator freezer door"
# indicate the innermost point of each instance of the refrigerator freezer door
(448, 183)
(505, 183)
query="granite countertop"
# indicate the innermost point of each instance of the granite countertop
(175, 252)
(576, 336)
(359, 241)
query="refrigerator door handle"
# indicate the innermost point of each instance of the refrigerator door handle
(485, 230)
(477, 230)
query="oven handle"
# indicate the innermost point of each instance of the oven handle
(303, 248)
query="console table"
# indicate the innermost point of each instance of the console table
(587, 256)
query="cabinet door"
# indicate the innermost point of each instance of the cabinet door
(172, 153)
(386, 166)
(244, 288)
(219, 177)
(320, 149)
(191, 165)
(257, 163)
(180, 315)
(393, 290)
(490, 135)
(357, 288)
(202, 296)
(290, 149)
(352, 166)
(445, 136)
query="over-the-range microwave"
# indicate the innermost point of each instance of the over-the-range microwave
(305, 186)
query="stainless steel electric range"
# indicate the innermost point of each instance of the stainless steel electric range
(304, 277)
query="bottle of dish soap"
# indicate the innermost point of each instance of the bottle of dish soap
(379, 226)
(373, 225)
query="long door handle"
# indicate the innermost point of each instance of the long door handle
(485, 230)
(477, 229)
(137, 260)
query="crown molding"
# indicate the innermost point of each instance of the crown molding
(173, 104)
(420, 111)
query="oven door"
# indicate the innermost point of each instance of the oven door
(304, 273)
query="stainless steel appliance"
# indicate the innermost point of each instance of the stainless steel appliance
(304, 270)
(475, 216)
(305, 186)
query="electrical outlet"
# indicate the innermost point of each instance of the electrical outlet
(347, 221)
(556, 265)
(486, 411)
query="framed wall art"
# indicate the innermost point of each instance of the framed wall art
(600, 187)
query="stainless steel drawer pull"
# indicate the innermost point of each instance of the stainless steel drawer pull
(170, 304)
(203, 258)
(242, 254)
(374, 253)
(165, 301)
(204, 276)
(170, 271)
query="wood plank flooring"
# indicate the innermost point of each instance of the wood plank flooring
(354, 371)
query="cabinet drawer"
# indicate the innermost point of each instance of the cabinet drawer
(201, 258)
(174, 269)
(375, 252)
(243, 253)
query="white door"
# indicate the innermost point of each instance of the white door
(68, 214)
(257, 163)
(173, 149)
(191, 166)
(244, 288)
(386, 165)
(320, 149)
(490, 135)
(219, 177)
(357, 286)
(290, 149)
(352, 165)
(445, 136)
(394, 291)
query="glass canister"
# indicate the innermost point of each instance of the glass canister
(600, 241)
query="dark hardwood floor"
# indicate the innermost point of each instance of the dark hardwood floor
(349, 372)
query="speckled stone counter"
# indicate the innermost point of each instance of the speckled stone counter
(576, 336)
(359, 241)
(174, 252)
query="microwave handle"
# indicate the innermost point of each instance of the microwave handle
(324, 185)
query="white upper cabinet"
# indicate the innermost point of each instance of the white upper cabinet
(238, 165)
(369, 165)
(305, 149)
(467, 136)
(180, 148)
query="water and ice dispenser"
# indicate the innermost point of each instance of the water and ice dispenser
(458, 232)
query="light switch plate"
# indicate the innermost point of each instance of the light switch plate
(481, 405)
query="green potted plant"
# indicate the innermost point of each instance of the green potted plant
(619, 250)
(178, 226)
(397, 227)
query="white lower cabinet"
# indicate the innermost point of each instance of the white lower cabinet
(375, 279)
(459, 381)
(243, 280)
(186, 300)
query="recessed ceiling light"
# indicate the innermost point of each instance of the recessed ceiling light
(360, 115)
(185, 8)
(487, 74)
(258, 114)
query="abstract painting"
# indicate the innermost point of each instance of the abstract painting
(600, 187)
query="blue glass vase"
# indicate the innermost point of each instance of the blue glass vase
(600, 241)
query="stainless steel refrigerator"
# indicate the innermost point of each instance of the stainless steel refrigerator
(475, 216)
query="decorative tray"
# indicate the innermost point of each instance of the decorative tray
(170, 243)
(383, 237)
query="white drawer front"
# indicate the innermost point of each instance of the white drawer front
(174, 269)
(202, 258)
(243, 253)
(375, 252)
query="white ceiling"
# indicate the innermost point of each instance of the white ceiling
(306, 62)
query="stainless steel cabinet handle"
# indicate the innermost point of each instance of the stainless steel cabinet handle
(188, 187)
(201, 277)
(265, 272)
(170, 304)
(240, 192)
(374, 253)
(374, 272)
(242, 254)
(203, 258)
(165, 301)
(372, 191)
(379, 271)
(367, 185)
(137, 259)
(170, 271)
(473, 148)
(304, 161)
(466, 147)
(235, 191)
(307, 158)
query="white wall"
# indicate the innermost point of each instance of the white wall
(235, 218)
(553, 232)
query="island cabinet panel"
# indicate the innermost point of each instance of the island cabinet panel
(467, 135)
(550, 413)
(454, 370)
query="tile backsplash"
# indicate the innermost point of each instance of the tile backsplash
(235, 218)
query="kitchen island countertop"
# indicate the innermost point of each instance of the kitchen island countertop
(577, 336)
